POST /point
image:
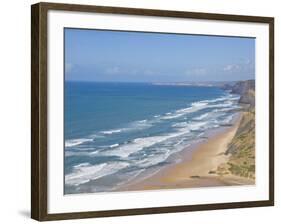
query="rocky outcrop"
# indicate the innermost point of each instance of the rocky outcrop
(242, 87)
(246, 90)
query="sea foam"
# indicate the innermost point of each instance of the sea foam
(84, 173)
(75, 142)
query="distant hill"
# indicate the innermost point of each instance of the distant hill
(199, 83)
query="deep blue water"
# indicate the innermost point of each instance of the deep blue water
(114, 132)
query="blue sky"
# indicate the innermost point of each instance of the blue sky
(96, 55)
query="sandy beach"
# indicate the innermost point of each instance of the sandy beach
(197, 166)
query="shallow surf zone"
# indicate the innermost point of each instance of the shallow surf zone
(107, 159)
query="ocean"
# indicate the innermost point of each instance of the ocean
(118, 132)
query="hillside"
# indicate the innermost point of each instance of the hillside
(241, 150)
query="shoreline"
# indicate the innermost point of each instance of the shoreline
(197, 166)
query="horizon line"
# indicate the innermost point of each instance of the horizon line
(74, 80)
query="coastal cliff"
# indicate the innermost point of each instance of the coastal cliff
(241, 150)
(246, 89)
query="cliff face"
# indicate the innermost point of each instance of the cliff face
(246, 89)
(241, 149)
(242, 87)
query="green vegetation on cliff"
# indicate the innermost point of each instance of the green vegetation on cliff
(242, 147)
(241, 150)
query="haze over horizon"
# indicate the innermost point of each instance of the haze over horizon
(120, 56)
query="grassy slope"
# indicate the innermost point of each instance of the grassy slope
(241, 150)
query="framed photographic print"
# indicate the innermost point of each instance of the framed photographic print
(140, 111)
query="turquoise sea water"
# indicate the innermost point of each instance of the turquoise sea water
(115, 132)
